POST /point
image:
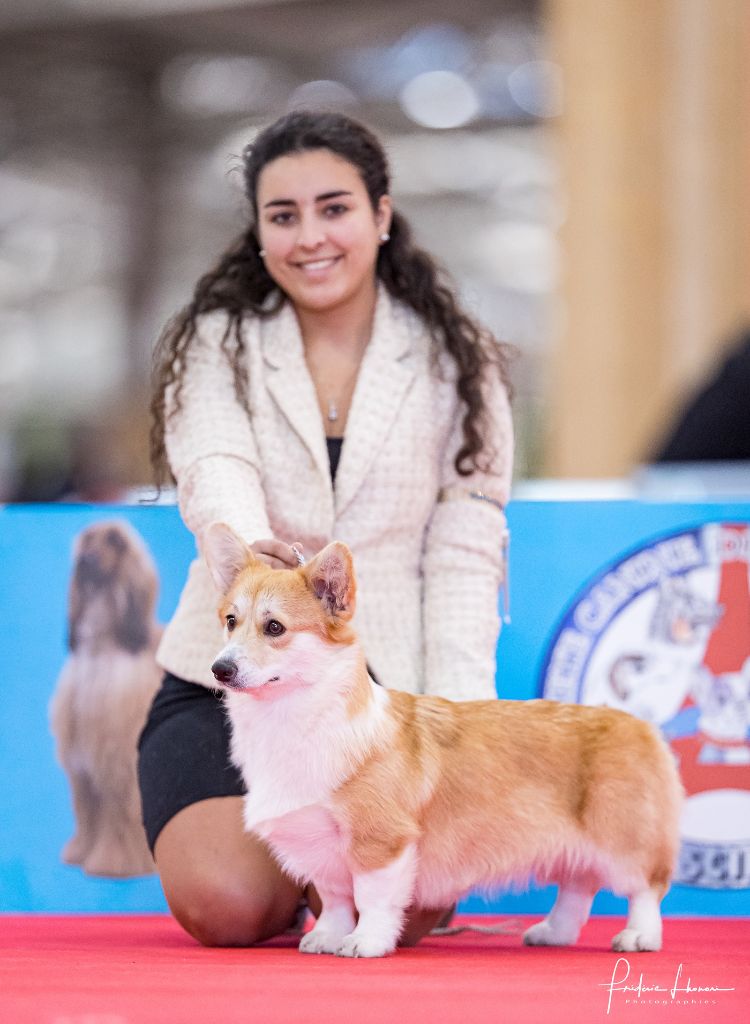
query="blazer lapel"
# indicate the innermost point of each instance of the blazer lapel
(385, 376)
(290, 384)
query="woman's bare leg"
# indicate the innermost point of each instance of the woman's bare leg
(221, 883)
(418, 924)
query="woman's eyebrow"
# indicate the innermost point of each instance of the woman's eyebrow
(318, 199)
(331, 195)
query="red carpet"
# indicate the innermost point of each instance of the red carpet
(145, 970)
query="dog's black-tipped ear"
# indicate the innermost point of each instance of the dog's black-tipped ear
(330, 576)
(226, 555)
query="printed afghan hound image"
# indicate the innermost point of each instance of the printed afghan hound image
(103, 695)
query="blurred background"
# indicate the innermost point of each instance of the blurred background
(580, 167)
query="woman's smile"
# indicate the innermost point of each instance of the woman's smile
(317, 266)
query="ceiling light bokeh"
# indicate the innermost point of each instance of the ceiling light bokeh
(440, 99)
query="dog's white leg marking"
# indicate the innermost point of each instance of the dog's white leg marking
(643, 929)
(381, 897)
(336, 920)
(563, 924)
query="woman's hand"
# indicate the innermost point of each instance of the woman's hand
(276, 553)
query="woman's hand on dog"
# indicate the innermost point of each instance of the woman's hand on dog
(276, 553)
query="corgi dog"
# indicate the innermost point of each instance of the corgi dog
(385, 800)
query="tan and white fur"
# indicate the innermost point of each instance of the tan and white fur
(103, 694)
(386, 800)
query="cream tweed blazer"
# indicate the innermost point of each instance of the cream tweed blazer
(428, 557)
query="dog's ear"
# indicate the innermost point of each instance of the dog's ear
(226, 555)
(75, 611)
(132, 628)
(330, 576)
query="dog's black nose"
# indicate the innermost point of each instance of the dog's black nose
(224, 670)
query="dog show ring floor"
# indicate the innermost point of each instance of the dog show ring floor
(145, 970)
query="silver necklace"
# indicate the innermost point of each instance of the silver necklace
(332, 404)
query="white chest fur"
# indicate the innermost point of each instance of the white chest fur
(308, 844)
(294, 753)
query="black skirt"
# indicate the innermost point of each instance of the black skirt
(183, 753)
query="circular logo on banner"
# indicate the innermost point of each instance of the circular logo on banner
(664, 634)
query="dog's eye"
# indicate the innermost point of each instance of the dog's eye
(231, 622)
(274, 628)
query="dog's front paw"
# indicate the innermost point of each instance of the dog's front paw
(630, 940)
(365, 946)
(319, 941)
(543, 934)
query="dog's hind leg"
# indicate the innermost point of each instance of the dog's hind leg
(643, 929)
(381, 897)
(563, 924)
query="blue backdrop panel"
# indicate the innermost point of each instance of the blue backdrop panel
(557, 549)
(36, 555)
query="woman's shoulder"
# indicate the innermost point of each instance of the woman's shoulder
(213, 327)
(427, 339)
(406, 318)
(416, 337)
(212, 324)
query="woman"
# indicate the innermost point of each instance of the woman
(321, 384)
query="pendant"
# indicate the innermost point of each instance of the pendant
(333, 413)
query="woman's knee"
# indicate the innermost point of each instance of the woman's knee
(222, 885)
(217, 914)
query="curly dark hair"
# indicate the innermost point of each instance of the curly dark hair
(241, 286)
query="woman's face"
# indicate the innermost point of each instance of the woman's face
(319, 230)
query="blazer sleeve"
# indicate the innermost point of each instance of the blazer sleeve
(210, 444)
(465, 561)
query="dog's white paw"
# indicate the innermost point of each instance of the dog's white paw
(320, 941)
(365, 946)
(543, 934)
(630, 940)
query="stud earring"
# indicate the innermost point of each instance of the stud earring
(384, 237)
(261, 253)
